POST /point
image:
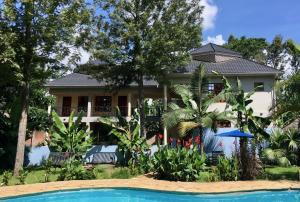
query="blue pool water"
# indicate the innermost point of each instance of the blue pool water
(132, 195)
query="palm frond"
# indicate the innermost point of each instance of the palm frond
(184, 127)
(172, 118)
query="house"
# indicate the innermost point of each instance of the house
(80, 92)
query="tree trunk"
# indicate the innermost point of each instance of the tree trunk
(244, 157)
(141, 105)
(22, 130)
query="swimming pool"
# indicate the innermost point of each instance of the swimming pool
(135, 195)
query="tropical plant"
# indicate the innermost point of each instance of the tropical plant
(22, 176)
(178, 164)
(127, 130)
(194, 114)
(73, 138)
(74, 170)
(228, 168)
(5, 178)
(239, 102)
(284, 147)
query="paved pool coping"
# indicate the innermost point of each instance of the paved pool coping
(151, 184)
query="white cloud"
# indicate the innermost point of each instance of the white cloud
(209, 14)
(216, 40)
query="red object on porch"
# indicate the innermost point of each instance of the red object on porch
(198, 139)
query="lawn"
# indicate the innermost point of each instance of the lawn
(37, 175)
(282, 173)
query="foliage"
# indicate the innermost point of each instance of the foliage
(194, 113)
(74, 170)
(74, 138)
(239, 102)
(35, 44)
(273, 54)
(178, 164)
(139, 40)
(38, 119)
(287, 101)
(283, 149)
(282, 173)
(5, 178)
(228, 169)
(250, 48)
(22, 176)
(47, 165)
(130, 144)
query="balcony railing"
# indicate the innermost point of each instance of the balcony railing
(66, 111)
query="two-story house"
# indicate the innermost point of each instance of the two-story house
(80, 92)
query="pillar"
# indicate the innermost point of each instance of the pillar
(89, 107)
(129, 105)
(49, 109)
(165, 109)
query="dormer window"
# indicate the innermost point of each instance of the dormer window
(215, 88)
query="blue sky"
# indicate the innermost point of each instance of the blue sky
(251, 18)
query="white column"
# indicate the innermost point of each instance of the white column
(88, 124)
(89, 107)
(49, 109)
(165, 109)
(129, 104)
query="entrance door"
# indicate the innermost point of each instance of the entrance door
(122, 104)
(66, 107)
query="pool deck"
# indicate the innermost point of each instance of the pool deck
(149, 183)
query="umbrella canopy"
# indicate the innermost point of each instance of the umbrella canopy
(235, 133)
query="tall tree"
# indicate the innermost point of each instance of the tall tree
(250, 48)
(142, 39)
(39, 35)
(294, 51)
(276, 56)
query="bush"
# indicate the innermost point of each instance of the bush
(227, 169)
(178, 164)
(6, 176)
(74, 170)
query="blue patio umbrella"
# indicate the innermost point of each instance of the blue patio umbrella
(235, 133)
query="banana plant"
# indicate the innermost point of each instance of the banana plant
(194, 114)
(73, 138)
(127, 130)
(239, 102)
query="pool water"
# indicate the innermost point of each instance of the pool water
(134, 195)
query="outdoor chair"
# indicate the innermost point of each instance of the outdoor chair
(59, 158)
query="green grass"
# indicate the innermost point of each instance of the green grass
(282, 173)
(37, 175)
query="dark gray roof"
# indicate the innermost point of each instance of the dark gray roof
(83, 80)
(235, 66)
(213, 48)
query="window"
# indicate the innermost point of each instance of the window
(82, 103)
(215, 88)
(259, 86)
(103, 104)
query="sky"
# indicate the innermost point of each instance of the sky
(250, 18)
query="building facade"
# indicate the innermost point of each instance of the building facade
(79, 92)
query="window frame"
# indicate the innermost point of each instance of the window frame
(103, 105)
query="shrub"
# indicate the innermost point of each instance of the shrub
(74, 170)
(22, 176)
(227, 169)
(6, 176)
(144, 163)
(178, 164)
(47, 164)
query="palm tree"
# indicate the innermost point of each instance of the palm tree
(194, 113)
(239, 101)
(284, 147)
